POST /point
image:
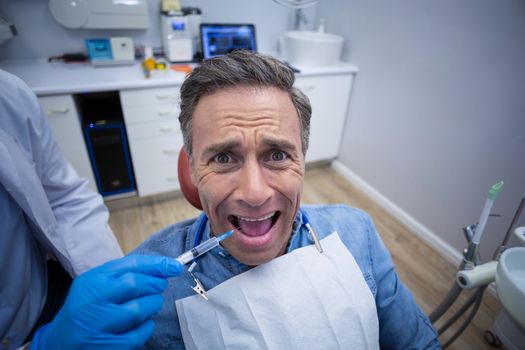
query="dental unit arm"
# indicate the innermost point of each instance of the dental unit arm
(472, 250)
(472, 274)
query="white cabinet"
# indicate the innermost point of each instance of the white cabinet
(65, 123)
(329, 96)
(154, 137)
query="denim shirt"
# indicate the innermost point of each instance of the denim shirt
(402, 324)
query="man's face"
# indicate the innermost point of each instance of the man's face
(248, 165)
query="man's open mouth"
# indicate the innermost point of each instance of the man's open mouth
(252, 226)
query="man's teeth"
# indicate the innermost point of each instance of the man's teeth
(257, 219)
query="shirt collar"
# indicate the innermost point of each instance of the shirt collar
(295, 238)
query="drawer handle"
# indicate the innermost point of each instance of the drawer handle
(167, 129)
(166, 113)
(58, 111)
(169, 151)
(163, 97)
(307, 87)
(172, 179)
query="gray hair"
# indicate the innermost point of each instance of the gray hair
(240, 68)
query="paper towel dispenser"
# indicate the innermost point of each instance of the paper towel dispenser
(101, 14)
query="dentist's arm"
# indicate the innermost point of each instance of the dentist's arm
(110, 306)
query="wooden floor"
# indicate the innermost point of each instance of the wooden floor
(423, 271)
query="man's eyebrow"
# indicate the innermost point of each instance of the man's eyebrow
(280, 144)
(221, 147)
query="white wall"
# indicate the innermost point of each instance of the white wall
(40, 36)
(437, 113)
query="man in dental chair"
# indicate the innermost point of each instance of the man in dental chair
(270, 284)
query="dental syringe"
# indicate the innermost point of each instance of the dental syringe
(202, 248)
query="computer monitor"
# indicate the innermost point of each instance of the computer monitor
(219, 39)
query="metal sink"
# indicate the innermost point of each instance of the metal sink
(309, 48)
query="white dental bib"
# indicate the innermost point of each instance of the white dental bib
(301, 300)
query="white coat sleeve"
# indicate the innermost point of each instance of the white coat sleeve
(83, 233)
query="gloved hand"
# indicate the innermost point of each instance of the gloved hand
(110, 306)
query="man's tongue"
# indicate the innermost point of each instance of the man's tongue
(255, 228)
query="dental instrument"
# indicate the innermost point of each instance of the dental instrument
(491, 196)
(475, 274)
(470, 260)
(517, 214)
(312, 232)
(202, 248)
(480, 227)
(198, 287)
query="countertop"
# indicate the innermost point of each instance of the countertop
(65, 78)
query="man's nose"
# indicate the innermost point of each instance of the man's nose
(253, 187)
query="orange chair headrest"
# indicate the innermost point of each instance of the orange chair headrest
(190, 192)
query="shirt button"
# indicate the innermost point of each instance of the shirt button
(5, 342)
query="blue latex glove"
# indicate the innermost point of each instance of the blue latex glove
(110, 306)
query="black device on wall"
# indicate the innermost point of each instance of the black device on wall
(106, 140)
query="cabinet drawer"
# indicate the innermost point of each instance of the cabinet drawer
(157, 179)
(61, 106)
(140, 131)
(141, 97)
(162, 111)
(65, 123)
(152, 152)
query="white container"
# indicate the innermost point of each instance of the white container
(510, 283)
(309, 48)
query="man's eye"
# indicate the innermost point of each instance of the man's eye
(222, 158)
(278, 156)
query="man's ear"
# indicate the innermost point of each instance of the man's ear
(188, 179)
